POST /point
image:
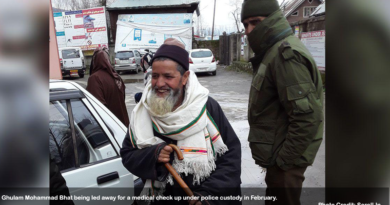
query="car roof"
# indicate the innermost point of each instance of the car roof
(61, 84)
(127, 50)
(63, 90)
(201, 49)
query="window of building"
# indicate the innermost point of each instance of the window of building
(308, 10)
(295, 13)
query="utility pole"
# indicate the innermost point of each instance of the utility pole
(212, 33)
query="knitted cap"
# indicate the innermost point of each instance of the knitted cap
(251, 8)
(174, 53)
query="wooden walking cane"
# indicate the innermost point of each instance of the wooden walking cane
(175, 174)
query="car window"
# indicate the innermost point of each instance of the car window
(136, 54)
(90, 133)
(201, 54)
(70, 53)
(92, 142)
(60, 138)
(125, 54)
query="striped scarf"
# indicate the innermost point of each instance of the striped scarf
(191, 125)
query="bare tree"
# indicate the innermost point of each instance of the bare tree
(85, 4)
(73, 5)
(200, 25)
(236, 13)
(282, 5)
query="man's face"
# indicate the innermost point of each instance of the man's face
(167, 87)
(165, 78)
(251, 22)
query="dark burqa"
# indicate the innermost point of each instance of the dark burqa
(107, 86)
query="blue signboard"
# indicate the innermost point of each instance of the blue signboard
(60, 33)
(73, 12)
(58, 14)
(137, 34)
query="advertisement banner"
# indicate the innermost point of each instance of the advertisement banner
(85, 28)
(296, 31)
(140, 31)
(315, 43)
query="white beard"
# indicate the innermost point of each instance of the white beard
(163, 105)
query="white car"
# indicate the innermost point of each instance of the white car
(202, 61)
(78, 120)
(72, 61)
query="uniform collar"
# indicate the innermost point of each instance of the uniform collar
(271, 30)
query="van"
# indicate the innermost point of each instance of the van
(72, 62)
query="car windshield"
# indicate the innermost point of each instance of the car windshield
(126, 54)
(70, 53)
(201, 54)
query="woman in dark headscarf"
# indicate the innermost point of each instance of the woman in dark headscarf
(107, 86)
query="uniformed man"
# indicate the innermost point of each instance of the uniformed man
(286, 101)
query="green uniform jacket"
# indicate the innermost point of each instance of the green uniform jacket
(286, 97)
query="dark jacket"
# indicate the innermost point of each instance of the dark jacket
(58, 185)
(224, 181)
(286, 98)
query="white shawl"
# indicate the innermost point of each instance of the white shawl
(190, 124)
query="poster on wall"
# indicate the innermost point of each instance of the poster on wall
(296, 32)
(140, 31)
(315, 43)
(85, 28)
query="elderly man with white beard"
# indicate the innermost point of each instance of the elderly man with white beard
(176, 109)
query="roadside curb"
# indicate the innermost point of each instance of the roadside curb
(133, 80)
(239, 66)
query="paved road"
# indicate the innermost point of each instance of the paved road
(231, 90)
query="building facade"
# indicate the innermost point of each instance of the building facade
(297, 10)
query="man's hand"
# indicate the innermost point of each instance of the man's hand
(164, 154)
(195, 202)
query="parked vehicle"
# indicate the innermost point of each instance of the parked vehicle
(202, 61)
(85, 141)
(128, 61)
(147, 75)
(72, 62)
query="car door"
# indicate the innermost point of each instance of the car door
(85, 150)
(71, 59)
(137, 58)
(82, 58)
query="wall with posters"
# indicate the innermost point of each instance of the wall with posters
(85, 28)
(135, 31)
(315, 43)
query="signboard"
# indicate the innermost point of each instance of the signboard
(315, 43)
(140, 31)
(85, 28)
(297, 31)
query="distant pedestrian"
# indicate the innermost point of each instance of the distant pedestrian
(285, 103)
(146, 60)
(107, 86)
